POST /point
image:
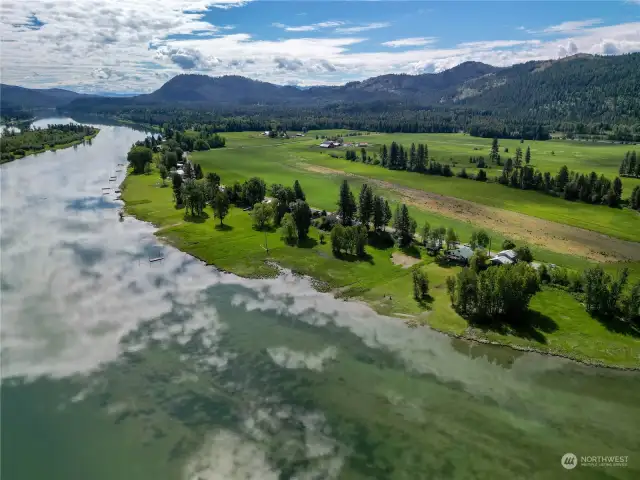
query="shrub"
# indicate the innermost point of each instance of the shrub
(508, 244)
(524, 254)
(559, 277)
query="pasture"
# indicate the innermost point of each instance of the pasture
(283, 161)
(550, 155)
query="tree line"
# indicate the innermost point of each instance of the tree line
(17, 144)
(516, 173)
(630, 165)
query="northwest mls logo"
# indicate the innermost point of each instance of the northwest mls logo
(569, 461)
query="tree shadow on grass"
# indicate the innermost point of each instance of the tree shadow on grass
(411, 251)
(307, 243)
(617, 325)
(380, 240)
(196, 218)
(266, 228)
(444, 262)
(223, 228)
(425, 302)
(348, 257)
(531, 325)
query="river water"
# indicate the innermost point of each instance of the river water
(114, 367)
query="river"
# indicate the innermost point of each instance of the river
(115, 367)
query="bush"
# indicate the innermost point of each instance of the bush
(560, 277)
(508, 244)
(524, 254)
(481, 176)
(575, 282)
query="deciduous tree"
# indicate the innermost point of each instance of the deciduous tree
(221, 206)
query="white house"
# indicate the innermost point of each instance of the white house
(327, 145)
(180, 172)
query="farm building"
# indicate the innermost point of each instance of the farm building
(505, 257)
(327, 145)
(460, 254)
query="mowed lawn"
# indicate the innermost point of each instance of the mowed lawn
(560, 324)
(283, 161)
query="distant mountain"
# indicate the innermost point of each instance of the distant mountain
(14, 97)
(578, 88)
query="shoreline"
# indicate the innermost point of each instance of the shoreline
(425, 324)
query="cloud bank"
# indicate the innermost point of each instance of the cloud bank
(103, 45)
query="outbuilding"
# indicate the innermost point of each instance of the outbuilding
(463, 254)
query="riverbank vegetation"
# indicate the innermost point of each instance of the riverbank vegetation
(14, 145)
(257, 221)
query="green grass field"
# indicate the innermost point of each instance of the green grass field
(283, 161)
(562, 327)
(585, 157)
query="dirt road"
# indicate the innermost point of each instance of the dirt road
(552, 236)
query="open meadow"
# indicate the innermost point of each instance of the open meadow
(559, 324)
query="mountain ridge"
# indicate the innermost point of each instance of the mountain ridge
(577, 88)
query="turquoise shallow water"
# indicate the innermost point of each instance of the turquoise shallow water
(117, 368)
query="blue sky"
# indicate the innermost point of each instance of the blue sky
(120, 46)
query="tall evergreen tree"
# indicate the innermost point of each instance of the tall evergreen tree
(624, 166)
(384, 156)
(365, 205)
(518, 160)
(412, 166)
(617, 189)
(402, 226)
(394, 157)
(378, 214)
(346, 204)
(297, 190)
(527, 156)
(421, 159)
(494, 155)
(387, 213)
(633, 165)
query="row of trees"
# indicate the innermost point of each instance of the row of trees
(566, 184)
(630, 165)
(190, 140)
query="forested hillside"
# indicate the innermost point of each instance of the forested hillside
(583, 94)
